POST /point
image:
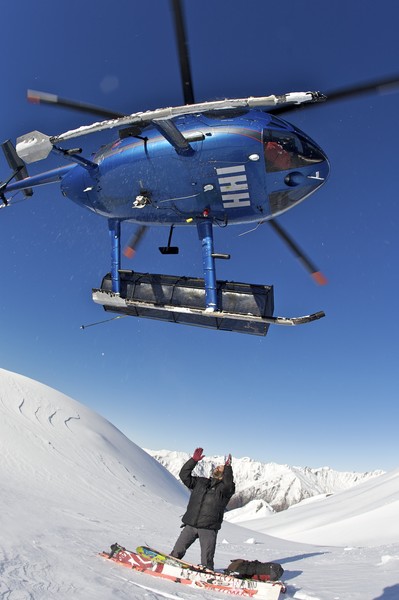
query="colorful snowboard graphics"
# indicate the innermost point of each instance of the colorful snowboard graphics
(192, 575)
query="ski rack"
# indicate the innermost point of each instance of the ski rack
(244, 308)
(35, 146)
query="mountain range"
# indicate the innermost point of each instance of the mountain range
(267, 487)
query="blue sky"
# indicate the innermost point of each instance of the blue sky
(321, 394)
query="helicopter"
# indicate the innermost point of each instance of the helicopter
(201, 165)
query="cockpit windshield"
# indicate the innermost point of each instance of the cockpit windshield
(284, 150)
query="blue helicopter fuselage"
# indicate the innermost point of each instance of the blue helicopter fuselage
(240, 166)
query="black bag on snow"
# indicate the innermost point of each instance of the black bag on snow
(254, 569)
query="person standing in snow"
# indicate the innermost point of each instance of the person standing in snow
(204, 515)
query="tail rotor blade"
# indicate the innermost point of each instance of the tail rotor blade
(316, 274)
(16, 164)
(131, 248)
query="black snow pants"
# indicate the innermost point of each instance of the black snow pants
(207, 539)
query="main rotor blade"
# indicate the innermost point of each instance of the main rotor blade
(379, 86)
(37, 97)
(182, 47)
(131, 248)
(316, 274)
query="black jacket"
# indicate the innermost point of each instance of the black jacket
(209, 497)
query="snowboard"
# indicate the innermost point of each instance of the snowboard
(168, 559)
(192, 575)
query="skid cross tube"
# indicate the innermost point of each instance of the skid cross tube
(205, 233)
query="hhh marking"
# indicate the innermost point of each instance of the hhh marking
(233, 186)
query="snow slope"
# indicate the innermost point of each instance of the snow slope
(353, 517)
(72, 484)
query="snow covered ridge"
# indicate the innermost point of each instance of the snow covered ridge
(275, 486)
